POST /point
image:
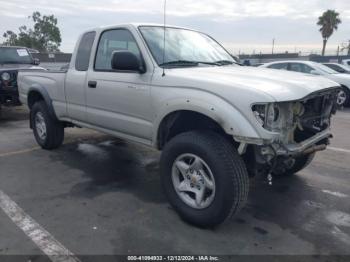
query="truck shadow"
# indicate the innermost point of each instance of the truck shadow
(288, 206)
(286, 201)
(117, 166)
(113, 165)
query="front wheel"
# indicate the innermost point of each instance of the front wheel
(343, 98)
(48, 132)
(204, 178)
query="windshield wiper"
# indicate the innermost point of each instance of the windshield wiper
(196, 63)
(209, 63)
(225, 62)
(189, 63)
(180, 63)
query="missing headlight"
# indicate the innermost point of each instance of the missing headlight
(259, 113)
(266, 114)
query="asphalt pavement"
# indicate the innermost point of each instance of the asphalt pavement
(98, 195)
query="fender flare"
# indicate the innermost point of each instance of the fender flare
(48, 101)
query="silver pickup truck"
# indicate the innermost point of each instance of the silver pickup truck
(178, 90)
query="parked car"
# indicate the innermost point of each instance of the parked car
(309, 67)
(346, 62)
(338, 67)
(217, 123)
(12, 58)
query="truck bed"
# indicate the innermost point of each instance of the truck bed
(51, 81)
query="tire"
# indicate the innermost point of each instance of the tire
(301, 162)
(221, 161)
(343, 97)
(41, 118)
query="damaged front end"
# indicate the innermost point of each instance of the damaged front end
(303, 127)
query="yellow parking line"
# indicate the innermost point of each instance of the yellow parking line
(69, 141)
(19, 151)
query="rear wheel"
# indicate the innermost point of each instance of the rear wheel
(203, 177)
(48, 132)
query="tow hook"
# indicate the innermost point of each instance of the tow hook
(269, 179)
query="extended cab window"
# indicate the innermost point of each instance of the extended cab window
(283, 66)
(114, 40)
(84, 51)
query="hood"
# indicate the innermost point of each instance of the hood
(278, 85)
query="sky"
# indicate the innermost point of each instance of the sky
(242, 26)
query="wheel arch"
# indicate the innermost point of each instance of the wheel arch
(38, 93)
(223, 118)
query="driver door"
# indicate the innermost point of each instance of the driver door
(118, 100)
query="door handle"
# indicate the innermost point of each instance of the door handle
(92, 84)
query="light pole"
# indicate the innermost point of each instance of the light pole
(273, 44)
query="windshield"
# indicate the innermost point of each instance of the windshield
(184, 47)
(326, 69)
(336, 67)
(10, 55)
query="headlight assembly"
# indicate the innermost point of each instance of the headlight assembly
(5, 76)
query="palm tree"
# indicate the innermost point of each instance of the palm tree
(329, 22)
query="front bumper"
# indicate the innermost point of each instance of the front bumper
(9, 97)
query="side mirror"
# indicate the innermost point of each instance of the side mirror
(36, 61)
(126, 61)
(314, 72)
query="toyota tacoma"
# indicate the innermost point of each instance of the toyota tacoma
(179, 91)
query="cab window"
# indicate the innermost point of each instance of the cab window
(299, 67)
(84, 50)
(114, 40)
(282, 66)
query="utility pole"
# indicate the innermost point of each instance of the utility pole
(273, 44)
